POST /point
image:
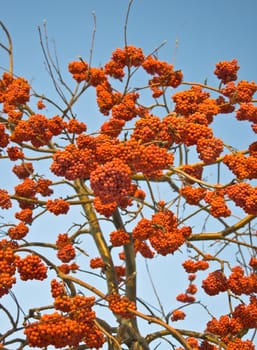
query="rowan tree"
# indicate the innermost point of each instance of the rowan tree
(140, 188)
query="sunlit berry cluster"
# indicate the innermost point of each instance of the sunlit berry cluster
(164, 75)
(240, 284)
(76, 127)
(242, 92)
(28, 190)
(15, 153)
(7, 266)
(129, 56)
(57, 206)
(217, 203)
(119, 238)
(151, 129)
(149, 159)
(244, 167)
(215, 283)
(187, 102)
(55, 326)
(185, 298)
(73, 163)
(126, 108)
(57, 288)
(96, 263)
(193, 195)
(162, 232)
(243, 195)
(237, 282)
(226, 71)
(178, 315)
(192, 266)
(14, 92)
(23, 170)
(111, 181)
(38, 130)
(209, 149)
(104, 209)
(120, 305)
(25, 215)
(67, 268)
(229, 327)
(43, 187)
(76, 326)
(66, 251)
(5, 201)
(247, 111)
(19, 231)
(31, 267)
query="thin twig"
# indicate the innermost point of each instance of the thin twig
(10, 49)
(93, 40)
(126, 23)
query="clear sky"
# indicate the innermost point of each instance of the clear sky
(207, 31)
(199, 33)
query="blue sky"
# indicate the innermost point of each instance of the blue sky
(207, 31)
(204, 31)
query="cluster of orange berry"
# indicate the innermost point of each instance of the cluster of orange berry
(241, 93)
(66, 251)
(74, 325)
(57, 206)
(227, 71)
(19, 231)
(229, 327)
(191, 267)
(5, 201)
(31, 267)
(29, 188)
(188, 296)
(177, 315)
(73, 163)
(54, 329)
(119, 238)
(67, 268)
(193, 195)
(97, 262)
(151, 129)
(162, 232)
(121, 305)
(25, 215)
(36, 129)
(217, 202)
(164, 75)
(7, 266)
(104, 209)
(14, 153)
(244, 167)
(129, 56)
(14, 92)
(243, 195)
(23, 170)
(111, 181)
(237, 282)
(215, 283)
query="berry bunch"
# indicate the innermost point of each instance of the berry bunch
(31, 267)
